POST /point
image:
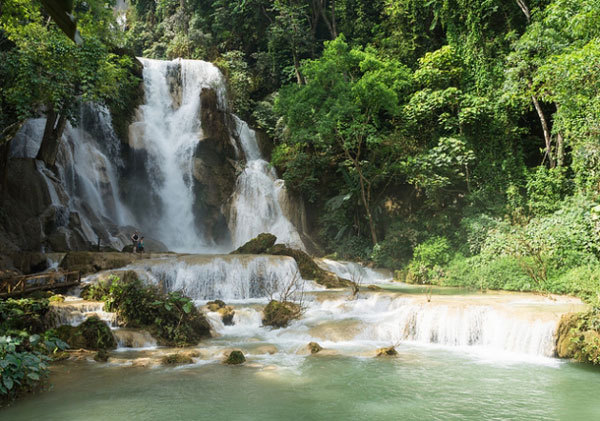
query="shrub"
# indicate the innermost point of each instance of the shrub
(172, 318)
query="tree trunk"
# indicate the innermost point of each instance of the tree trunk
(560, 150)
(524, 9)
(333, 23)
(4, 151)
(55, 124)
(547, 136)
(367, 208)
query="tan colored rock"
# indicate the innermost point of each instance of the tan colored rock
(386, 352)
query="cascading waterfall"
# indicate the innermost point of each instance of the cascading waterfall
(256, 206)
(225, 277)
(171, 130)
(86, 182)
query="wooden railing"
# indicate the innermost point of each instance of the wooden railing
(22, 284)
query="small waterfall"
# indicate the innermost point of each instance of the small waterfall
(171, 129)
(75, 311)
(355, 271)
(256, 204)
(224, 277)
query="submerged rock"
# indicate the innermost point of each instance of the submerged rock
(386, 352)
(226, 312)
(258, 245)
(101, 356)
(235, 357)
(314, 347)
(280, 313)
(91, 334)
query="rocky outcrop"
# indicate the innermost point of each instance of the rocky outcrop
(577, 337)
(226, 312)
(234, 358)
(176, 359)
(87, 262)
(258, 245)
(280, 313)
(91, 334)
(308, 268)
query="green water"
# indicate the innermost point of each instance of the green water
(421, 384)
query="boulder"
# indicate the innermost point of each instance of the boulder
(92, 334)
(314, 347)
(258, 245)
(566, 332)
(308, 268)
(235, 357)
(176, 359)
(226, 312)
(386, 352)
(280, 313)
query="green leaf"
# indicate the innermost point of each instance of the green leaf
(33, 376)
(8, 382)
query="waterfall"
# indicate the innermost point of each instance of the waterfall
(224, 277)
(256, 206)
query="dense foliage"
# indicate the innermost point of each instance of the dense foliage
(172, 318)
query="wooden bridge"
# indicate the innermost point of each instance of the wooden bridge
(19, 285)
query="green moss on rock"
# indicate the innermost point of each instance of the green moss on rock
(386, 352)
(235, 358)
(87, 262)
(578, 337)
(92, 334)
(176, 359)
(226, 312)
(258, 245)
(314, 347)
(280, 313)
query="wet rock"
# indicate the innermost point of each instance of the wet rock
(30, 262)
(314, 347)
(266, 349)
(566, 332)
(258, 245)
(87, 262)
(308, 268)
(226, 312)
(280, 313)
(92, 334)
(134, 338)
(234, 358)
(101, 356)
(373, 288)
(176, 359)
(386, 352)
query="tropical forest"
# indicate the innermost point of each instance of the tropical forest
(299, 209)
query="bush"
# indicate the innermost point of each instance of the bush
(428, 260)
(23, 314)
(172, 318)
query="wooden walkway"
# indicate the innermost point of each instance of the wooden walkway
(19, 285)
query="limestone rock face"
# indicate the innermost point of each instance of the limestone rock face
(88, 262)
(564, 335)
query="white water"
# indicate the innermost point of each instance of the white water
(171, 132)
(225, 277)
(256, 205)
(356, 272)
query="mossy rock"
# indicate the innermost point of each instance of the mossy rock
(176, 359)
(280, 313)
(308, 268)
(566, 332)
(101, 356)
(235, 358)
(258, 245)
(226, 312)
(92, 334)
(386, 352)
(314, 347)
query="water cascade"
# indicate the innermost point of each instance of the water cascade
(256, 205)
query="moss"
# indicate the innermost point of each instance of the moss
(280, 313)
(215, 305)
(93, 334)
(57, 298)
(235, 358)
(258, 245)
(226, 312)
(314, 347)
(308, 268)
(386, 352)
(578, 337)
(176, 359)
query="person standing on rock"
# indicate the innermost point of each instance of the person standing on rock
(140, 245)
(135, 238)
